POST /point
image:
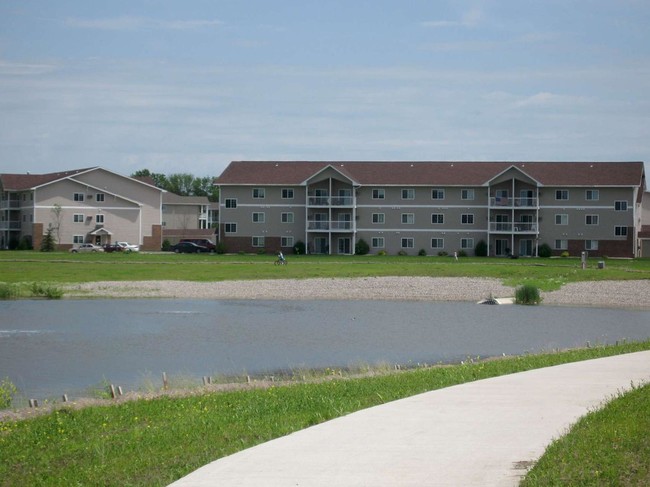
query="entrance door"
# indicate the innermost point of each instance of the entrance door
(526, 247)
(320, 245)
(503, 223)
(502, 248)
(345, 245)
(526, 197)
(345, 221)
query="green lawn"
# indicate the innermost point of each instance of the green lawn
(153, 442)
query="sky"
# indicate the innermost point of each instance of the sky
(188, 86)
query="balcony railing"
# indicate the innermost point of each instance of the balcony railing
(10, 225)
(516, 227)
(4, 204)
(330, 200)
(329, 225)
(503, 202)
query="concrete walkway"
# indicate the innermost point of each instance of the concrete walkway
(483, 433)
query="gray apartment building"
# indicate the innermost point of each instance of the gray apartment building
(438, 207)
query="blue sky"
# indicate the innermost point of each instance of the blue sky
(188, 86)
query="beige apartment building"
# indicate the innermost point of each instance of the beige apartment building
(438, 207)
(91, 205)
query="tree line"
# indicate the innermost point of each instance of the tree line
(182, 184)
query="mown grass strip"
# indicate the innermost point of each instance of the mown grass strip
(153, 442)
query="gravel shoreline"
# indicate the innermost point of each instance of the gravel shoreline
(618, 294)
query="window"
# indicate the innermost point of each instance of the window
(408, 243)
(78, 197)
(408, 194)
(620, 231)
(230, 227)
(287, 193)
(258, 193)
(592, 195)
(591, 219)
(287, 217)
(378, 194)
(561, 244)
(258, 217)
(99, 197)
(562, 194)
(286, 242)
(437, 218)
(561, 219)
(231, 203)
(591, 244)
(377, 242)
(466, 243)
(620, 205)
(78, 218)
(467, 219)
(99, 218)
(437, 194)
(408, 218)
(378, 218)
(467, 194)
(77, 239)
(437, 243)
(257, 241)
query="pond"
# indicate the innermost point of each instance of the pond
(48, 348)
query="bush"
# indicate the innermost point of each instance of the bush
(166, 245)
(481, 249)
(565, 254)
(7, 392)
(221, 248)
(422, 253)
(544, 250)
(299, 248)
(25, 243)
(381, 252)
(46, 290)
(8, 291)
(527, 294)
(402, 252)
(442, 253)
(462, 253)
(362, 247)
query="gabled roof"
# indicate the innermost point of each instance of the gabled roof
(175, 199)
(22, 182)
(456, 173)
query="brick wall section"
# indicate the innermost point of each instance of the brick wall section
(37, 235)
(606, 248)
(154, 242)
(244, 244)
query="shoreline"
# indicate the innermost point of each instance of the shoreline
(607, 294)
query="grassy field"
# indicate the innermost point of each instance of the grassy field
(61, 267)
(153, 442)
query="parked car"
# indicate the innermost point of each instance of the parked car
(86, 247)
(188, 248)
(205, 242)
(121, 247)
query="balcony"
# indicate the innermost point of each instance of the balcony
(510, 227)
(10, 225)
(501, 202)
(329, 225)
(4, 204)
(330, 200)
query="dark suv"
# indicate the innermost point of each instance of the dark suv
(203, 242)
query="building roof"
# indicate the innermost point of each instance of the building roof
(21, 182)
(449, 173)
(175, 199)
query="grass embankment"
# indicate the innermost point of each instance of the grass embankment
(153, 442)
(62, 267)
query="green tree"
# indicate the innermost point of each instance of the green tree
(160, 180)
(49, 242)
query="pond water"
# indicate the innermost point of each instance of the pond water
(48, 348)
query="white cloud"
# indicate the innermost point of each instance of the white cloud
(25, 69)
(469, 19)
(140, 23)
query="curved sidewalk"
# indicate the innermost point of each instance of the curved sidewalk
(482, 433)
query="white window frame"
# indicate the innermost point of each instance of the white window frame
(591, 244)
(408, 218)
(259, 193)
(378, 194)
(78, 239)
(620, 205)
(377, 242)
(467, 219)
(79, 197)
(620, 230)
(438, 216)
(378, 218)
(467, 243)
(99, 218)
(230, 227)
(258, 217)
(286, 242)
(257, 241)
(592, 195)
(561, 195)
(591, 220)
(78, 218)
(230, 203)
(287, 193)
(561, 244)
(437, 194)
(408, 193)
(439, 243)
(287, 217)
(563, 217)
(467, 194)
(407, 243)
